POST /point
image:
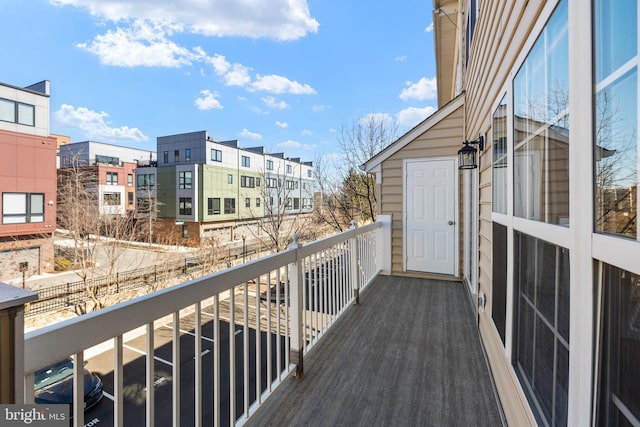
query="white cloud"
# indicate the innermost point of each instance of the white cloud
(233, 74)
(94, 124)
(291, 144)
(402, 58)
(278, 84)
(378, 118)
(276, 19)
(283, 125)
(272, 102)
(423, 89)
(412, 116)
(332, 130)
(246, 133)
(141, 44)
(306, 132)
(208, 101)
(429, 28)
(318, 108)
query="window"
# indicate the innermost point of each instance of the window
(289, 170)
(541, 127)
(229, 206)
(269, 165)
(213, 206)
(296, 203)
(619, 358)
(176, 156)
(112, 178)
(107, 160)
(257, 202)
(130, 197)
(185, 207)
(246, 161)
(499, 282)
(309, 173)
(279, 183)
(130, 179)
(289, 204)
(230, 179)
(145, 205)
(290, 185)
(187, 155)
(247, 202)
(499, 180)
(185, 180)
(247, 181)
(21, 208)
(541, 326)
(17, 112)
(165, 156)
(216, 155)
(616, 117)
(111, 199)
(257, 182)
(145, 181)
(271, 182)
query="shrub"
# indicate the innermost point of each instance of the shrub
(62, 263)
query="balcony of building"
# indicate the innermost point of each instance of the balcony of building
(315, 335)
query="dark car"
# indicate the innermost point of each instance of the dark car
(54, 385)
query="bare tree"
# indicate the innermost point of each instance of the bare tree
(281, 219)
(347, 193)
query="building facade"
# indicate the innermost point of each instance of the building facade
(111, 169)
(548, 218)
(27, 181)
(211, 189)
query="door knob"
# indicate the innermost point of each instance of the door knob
(450, 222)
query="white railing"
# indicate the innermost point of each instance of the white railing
(281, 305)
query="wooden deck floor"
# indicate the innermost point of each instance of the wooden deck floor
(409, 354)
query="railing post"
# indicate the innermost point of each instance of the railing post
(354, 257)
(383, 243)
(296, 310)
(12, 301)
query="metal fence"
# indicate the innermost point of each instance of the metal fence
(72, 294)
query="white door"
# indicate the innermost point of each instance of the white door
(431, 204)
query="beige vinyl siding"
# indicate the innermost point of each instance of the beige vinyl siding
(501, 34)
(443, 139)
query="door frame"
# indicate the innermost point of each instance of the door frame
(456, 225)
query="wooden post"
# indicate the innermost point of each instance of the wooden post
(12, 301)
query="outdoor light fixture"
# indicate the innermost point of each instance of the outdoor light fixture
(467, 158)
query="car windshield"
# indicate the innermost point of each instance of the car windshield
(53, 374)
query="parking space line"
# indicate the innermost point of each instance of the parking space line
(188, 333)
(159, 359)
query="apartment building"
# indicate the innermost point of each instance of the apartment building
(110, 169)
(527, 181)
(208, 188)
(27, 181)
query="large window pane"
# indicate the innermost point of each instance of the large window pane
(619, 358)
(616, 26)
(499, 178)
(7, 110)
(541, 352)
(616, 156)
(541, 132)
(26, 114)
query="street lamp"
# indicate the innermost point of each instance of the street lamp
(244, 248)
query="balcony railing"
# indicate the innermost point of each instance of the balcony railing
(281, 305)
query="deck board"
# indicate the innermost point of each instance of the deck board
(409, 354)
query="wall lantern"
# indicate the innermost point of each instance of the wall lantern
(467, 155)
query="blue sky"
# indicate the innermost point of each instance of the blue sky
(283, 74)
